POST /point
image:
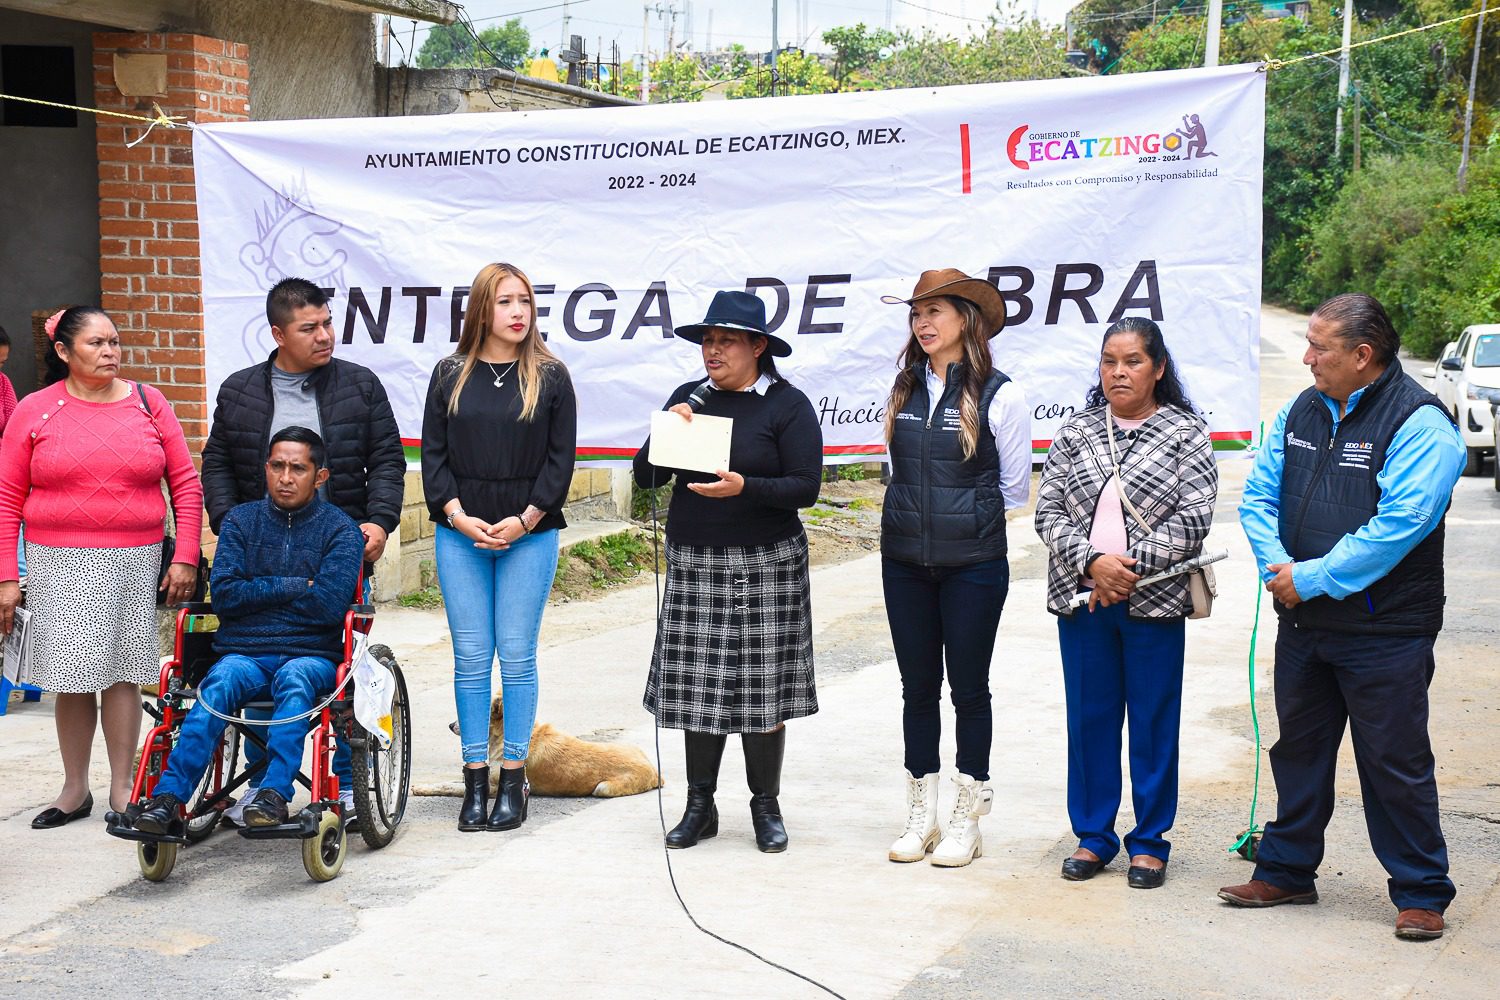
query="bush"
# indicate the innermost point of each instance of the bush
(1379, 209)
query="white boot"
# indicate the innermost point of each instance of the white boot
(922, 831)
(961, 841)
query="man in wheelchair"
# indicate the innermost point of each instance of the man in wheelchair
(283, 573)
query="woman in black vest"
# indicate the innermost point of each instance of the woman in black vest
(734, 642)
(960, 446)
(1128, 490)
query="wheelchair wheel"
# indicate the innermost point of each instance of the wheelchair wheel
(382, 778)
(156, 859)
(323, 855)
(219, 773)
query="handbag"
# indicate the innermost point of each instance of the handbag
(169, 542)
(1202, 589)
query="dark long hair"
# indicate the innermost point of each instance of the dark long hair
(1169, 388)
(977, 366)
(69, 326)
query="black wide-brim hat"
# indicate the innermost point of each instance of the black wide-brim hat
(736, 311)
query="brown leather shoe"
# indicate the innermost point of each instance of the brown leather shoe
(1419, 925)
(1259, 893)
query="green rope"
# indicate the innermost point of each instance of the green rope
(1244, 838)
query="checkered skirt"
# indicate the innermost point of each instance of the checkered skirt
(734, 646)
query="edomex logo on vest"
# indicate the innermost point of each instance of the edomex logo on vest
(1356, 454)
(1042, 146)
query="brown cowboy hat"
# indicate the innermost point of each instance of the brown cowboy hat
(952, 281)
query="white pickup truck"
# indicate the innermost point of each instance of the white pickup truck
(1466, 379)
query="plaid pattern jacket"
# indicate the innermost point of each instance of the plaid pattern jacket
(1168, 472)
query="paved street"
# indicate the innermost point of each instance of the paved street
(578, 902)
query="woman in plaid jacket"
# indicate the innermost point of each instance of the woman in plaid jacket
(1138, 453)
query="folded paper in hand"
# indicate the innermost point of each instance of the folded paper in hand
(18, 649)
(701, 445)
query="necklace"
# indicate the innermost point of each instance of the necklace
(500, 377)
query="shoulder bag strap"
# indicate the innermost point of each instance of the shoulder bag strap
(1114, 457)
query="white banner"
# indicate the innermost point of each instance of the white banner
(1083, 200)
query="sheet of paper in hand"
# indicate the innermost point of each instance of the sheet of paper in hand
(701, 445)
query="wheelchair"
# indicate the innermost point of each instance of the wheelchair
(382, 775)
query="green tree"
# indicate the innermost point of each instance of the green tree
(856, 49)
(451, 45)
(796, 73)
(1010, 47)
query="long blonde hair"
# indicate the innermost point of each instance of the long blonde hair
(533, 358)
(977, 366)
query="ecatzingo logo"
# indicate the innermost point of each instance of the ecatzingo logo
(1026, 147)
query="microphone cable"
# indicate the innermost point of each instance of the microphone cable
(661, 810)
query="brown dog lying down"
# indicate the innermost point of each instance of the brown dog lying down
(564, 765)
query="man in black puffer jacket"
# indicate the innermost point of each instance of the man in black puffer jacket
(302, 384)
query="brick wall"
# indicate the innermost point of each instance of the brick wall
(150, 279)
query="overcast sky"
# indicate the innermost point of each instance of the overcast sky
(745, 21)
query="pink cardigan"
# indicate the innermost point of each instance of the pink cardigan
(87, 475)
(7, 401)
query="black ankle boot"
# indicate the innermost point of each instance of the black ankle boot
(763, 756)
(700, 820)
(476, 798)
(510, 799)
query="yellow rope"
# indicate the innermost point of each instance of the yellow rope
(1271, 64)
(162, 118)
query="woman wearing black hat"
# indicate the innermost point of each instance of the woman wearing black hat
(734, 643)
(960, 446)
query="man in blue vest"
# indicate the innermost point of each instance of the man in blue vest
(1344, 510)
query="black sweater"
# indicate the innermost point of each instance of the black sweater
(495, 464)
(775, 444)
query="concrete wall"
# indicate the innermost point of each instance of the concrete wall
(49, 201)
(402, 91)
(306, 60)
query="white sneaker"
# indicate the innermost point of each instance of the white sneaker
(922, 832)
(961, 842)
(235, 814)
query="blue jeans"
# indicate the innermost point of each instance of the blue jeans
(944, 618)
(293, 683)
(494, 600)
(1116, 666)
(1377, 686)
(343, 761)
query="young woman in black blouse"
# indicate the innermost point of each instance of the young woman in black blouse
(734, 643)
(498, 440)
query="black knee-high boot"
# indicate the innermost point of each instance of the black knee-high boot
(700, 820)
(763, 756)
(476, 796)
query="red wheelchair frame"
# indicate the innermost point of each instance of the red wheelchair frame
(320, 825)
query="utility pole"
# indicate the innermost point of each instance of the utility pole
(1463, 163)
(888, 5)
(1338, 116)
(1211, 44)
(646, 55)
(775, 44)
(385, 55)
(565, 19)
(708, 43)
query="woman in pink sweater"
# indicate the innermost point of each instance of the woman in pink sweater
(81, 463)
